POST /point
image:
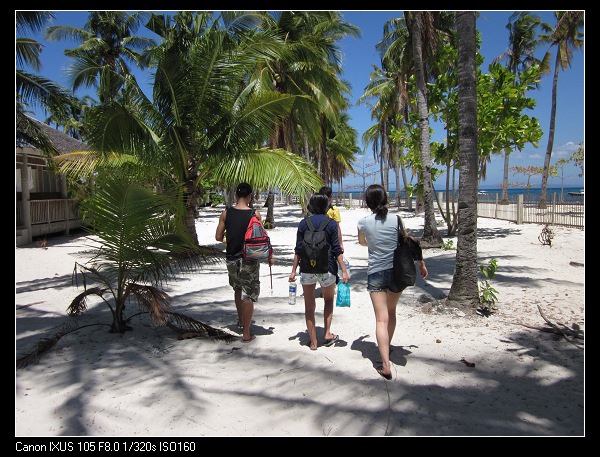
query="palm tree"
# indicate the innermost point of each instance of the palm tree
(394, 103)
(33, 90)
(567, 37)
(309, 69)
(422, 32)
(388, 85)
(139, 246)
(341, 147)
(522, 43)
(464, 289)
(108, 45)
(203, 120)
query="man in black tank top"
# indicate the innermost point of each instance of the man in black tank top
(244, 275)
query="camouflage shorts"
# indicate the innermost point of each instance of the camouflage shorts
(244, 275)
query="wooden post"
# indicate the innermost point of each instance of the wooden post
(25, 198)
(520, 209)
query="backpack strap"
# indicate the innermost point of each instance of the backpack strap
(324, 224)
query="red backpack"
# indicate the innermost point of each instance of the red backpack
(257, 244)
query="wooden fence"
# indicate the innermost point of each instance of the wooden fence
(557, 211)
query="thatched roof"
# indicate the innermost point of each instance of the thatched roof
(61, 141)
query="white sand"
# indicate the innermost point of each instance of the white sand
(147, 383)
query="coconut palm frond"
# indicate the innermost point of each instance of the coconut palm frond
(188, 327)
(45, 345)
(79, 303)
(156, 301)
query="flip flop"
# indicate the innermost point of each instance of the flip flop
(331, 341)
(386, 376)
(252, 336)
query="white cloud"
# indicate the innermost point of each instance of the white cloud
(535, 156)
(565, 150)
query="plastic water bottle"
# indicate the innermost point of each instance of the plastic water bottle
(347, 268)
(292, 299)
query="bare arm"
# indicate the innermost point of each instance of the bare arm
(294, 268)
(423, 269)
(361, 238)
(345, 275)
(220, 233)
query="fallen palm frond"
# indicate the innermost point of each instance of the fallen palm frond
(185, 326)
(46, 344)
(575, 333)
(188, 327)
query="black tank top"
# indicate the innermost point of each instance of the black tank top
(236, 223)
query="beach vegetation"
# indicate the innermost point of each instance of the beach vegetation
(487, 294)
(522, 42)
(546, 235)
(309, 69)
(576, 158)
(427, 30)
(566, 36)
(448, 245)
(204, 119)
(108, 45)
(529, 171)
(138, 245)
(33, 90)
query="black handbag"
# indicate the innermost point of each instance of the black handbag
(405, 270)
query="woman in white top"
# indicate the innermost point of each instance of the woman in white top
(380, 233)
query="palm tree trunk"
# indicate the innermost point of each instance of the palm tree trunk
(546, 170)
(431, 238)
(464, 289)
(504, 199)
(190, 198)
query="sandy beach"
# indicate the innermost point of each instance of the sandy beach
(454, 374)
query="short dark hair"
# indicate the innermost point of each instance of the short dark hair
(243, 190)
(318, 204)
(325, 190)
(376, 199)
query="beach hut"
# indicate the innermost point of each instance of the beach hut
(42, 205)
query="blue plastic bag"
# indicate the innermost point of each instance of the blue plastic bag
(343, 295)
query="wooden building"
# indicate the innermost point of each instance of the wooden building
(42, 204)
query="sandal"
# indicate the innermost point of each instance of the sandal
(386, 376)
(252, 336)
(331, 341)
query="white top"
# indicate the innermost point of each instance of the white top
(382, 236)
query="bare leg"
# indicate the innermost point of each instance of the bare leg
(381, 328)
(328, 297)
(309, 313)
(247, 312)
(392, 300)
(237, 295)
(384, 305)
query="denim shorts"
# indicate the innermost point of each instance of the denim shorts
(382, 281)
(324, 279)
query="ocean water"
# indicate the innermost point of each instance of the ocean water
(532, 194)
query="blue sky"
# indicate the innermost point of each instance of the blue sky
(359, 56)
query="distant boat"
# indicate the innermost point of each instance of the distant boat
(576, 194)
